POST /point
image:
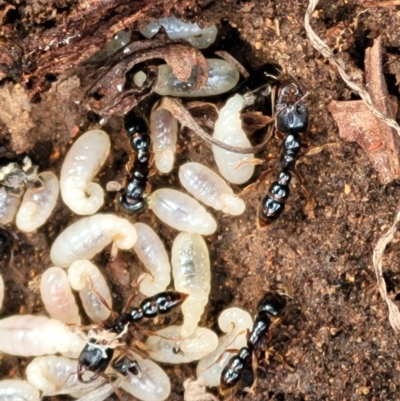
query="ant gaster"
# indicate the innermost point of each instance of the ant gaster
(272, 305)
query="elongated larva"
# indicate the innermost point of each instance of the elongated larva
(223, 76)
(1, 291)
(28, 335)
(8, 206)
(191, 271)
(88, 236)
(235, 322)
(38, 204)
(152, 383)
(209, 188)
(86, 278)
(18, 390)
(169, 347)
(181, 212)
(228, 129)
(177, 29)
(57, 296)
(57, 374)
(164, 134)
(151, 251)
(100, 393)
(83, 161)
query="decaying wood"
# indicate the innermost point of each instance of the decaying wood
(358, 124)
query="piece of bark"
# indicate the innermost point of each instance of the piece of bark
(357, 124)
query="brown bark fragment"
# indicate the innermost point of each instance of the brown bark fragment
(357, 124)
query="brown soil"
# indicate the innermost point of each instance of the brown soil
(336, 334)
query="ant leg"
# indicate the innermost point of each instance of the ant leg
(98, 295)
(310, 202)
(255, 162)
(280, 357)
(260, 179)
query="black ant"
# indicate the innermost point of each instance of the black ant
(132, 200)
(272, 305)
(98, 353)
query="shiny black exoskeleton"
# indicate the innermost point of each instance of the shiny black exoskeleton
(132, 200)
(5, 240)
(97, 355)
(272, 305)
(291, 121)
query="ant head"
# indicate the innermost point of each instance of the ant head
(273, 304)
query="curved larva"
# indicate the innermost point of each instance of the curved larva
(38, 204)
(57, 296)
(100, 393)
(57, 374)
(191, 271)
(8, 206)
(1, 291)
(151, 252)
(181, 212)
(83, 161)
(228, 129)
(235, 322)
(86, 278)
(169, 347)
(152, 384)
(88, 236)
(164, 134)
(18, 390)
(28, 335)
(223, 76)
(209, 188)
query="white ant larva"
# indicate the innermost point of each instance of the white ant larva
(82, 162)
(235, 322)
(86, 278)
(191, 271)
(228, 129)
(57, 296)
(89, 236)
(181, 212)
(9, 204)
(169, 347)
(208, 187)
(151, 251)
(18, 390)
(38, 204)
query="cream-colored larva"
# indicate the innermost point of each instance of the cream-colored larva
(209, 188)
(191, 271)
(9, 203)
(151, 251)
(152, 384)
(57, 296)
(56, 374)
(82, 162)
(38, 204)
(89, 236)
(164, 134)
(234, 167)
(1, 291)
(28, 335)
(235, 322)
(168, 346)
(18, 390)
(86, 278)
(195, 390)
(181, 212)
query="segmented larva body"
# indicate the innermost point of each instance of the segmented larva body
(57, 374)
(228, 129)
(8, 206)
(223, 76)
(88, 236)
(209, 188)
(18, 390)
(168, 347)
(1, 291)
(86, 278)
(235, 322)
(191, 271)
(151, 252)
(182, 212)
(83, 161)
(152, 384)
(38, 204)
(28, 335)
(164, 134)
(57, 296)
